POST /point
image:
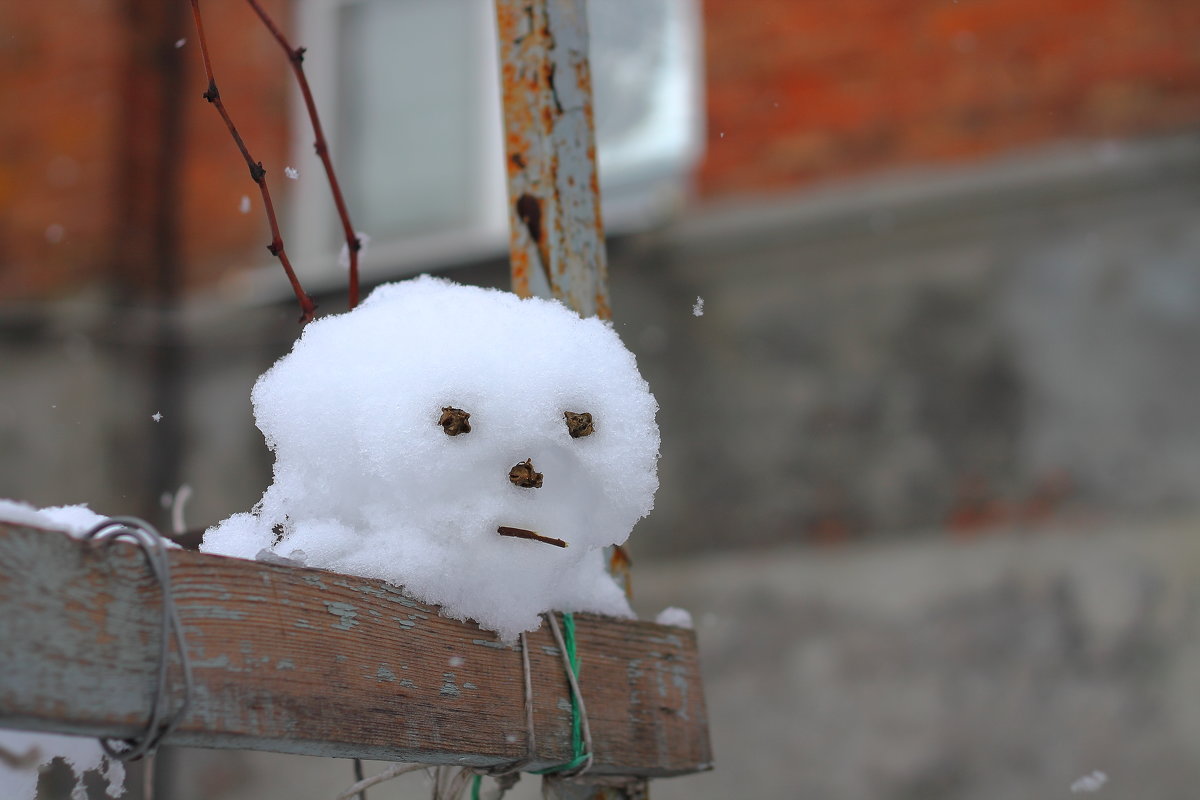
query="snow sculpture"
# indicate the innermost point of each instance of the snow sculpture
(478, 449)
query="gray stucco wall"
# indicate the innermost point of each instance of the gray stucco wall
(1006, 352)
(1003, 343)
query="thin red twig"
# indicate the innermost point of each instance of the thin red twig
(257, 174)
(296, 58)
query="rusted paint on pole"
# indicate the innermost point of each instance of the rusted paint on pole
(556, 230)
(557, 234)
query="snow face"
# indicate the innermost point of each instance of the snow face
(369, 480)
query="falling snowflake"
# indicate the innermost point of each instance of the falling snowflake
(244, 206)
(344, 256)
(698, 308)
(180, 43)
(291, 172)
(156, 416)
(1089, 783)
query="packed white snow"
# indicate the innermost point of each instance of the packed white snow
(25, 753)
(22, 754)
(367, 479)
(344, 255)
(675, 617)
(1090, 782)
(75, 520)
(698, 308)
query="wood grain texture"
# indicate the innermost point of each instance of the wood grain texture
(306, 661)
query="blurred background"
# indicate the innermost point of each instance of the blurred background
(931, 455)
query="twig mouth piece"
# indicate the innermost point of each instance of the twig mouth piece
(521, 533)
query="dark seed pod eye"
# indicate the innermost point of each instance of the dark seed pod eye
(454, 421)
(579, 425)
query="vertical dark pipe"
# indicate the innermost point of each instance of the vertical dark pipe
(145, 267)
(145, 263)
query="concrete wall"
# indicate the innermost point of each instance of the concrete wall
(991, 354)
(944, 351)
(951, 351)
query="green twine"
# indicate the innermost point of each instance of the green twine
(576, 720)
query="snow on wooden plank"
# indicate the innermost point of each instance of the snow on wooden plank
(306, 661)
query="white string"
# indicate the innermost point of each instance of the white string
(574, 684)
(508, 774)
(394, 771)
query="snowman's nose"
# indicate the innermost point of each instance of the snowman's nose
(524, 475)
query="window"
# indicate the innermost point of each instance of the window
(410, 101)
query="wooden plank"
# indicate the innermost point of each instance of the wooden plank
(306, 661)
(557, 234)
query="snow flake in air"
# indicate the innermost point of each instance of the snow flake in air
(1089, 783)
(344, 256)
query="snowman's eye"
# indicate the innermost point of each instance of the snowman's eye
(454, 421)
(579, 424)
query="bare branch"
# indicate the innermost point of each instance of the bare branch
(257, 174)
(296, 59)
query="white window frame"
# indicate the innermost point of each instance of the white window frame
(312, 239)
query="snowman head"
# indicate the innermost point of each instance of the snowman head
(477, 448)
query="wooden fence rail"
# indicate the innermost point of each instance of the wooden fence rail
(306, 661)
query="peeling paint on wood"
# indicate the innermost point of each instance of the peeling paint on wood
(78, 628)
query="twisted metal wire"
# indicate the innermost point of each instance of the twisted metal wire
(159, 723)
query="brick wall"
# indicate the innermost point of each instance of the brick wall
(800, 90)
(256, 86)
(56, 138)
(63, 95)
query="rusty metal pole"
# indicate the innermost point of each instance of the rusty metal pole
(557, 242)
(556, 230)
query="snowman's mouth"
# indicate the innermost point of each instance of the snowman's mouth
(521, 533)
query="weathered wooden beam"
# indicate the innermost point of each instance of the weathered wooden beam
(306, 661)
(557, 233)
